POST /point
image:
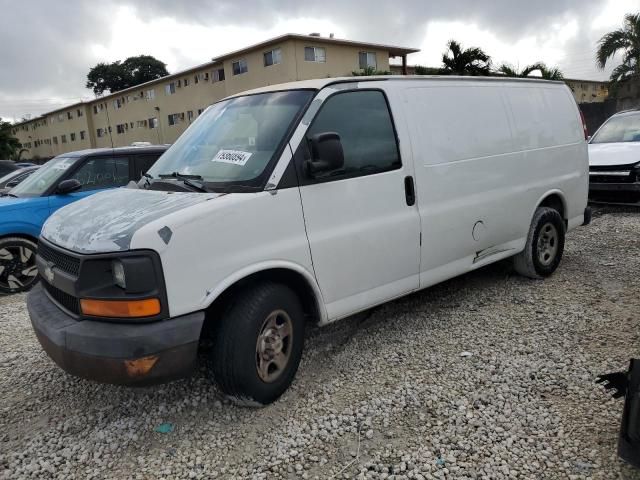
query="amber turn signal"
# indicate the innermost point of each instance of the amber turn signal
(120, 308)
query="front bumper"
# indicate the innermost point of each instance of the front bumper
(117, 353)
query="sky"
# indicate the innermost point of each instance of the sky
(48, 47)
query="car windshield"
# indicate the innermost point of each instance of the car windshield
(42, 179)
(621, 128)
(234, 141)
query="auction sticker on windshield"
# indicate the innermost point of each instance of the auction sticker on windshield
(235, 157)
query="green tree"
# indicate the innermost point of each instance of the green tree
(366, 72)
(469, 61)
(118, 75)
(545, 72)
(9, 144)
(420, 70)
(625, 40)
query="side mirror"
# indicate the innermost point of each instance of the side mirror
(326, 153)
(68, 186)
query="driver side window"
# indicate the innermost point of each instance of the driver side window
(99, 173)
(363, 121)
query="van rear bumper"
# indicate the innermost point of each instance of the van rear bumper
(116, 353)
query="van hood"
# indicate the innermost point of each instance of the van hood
(106, 221)
(612, 154)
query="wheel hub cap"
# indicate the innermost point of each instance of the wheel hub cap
(273, 347)
(17, 267)
(547, 244)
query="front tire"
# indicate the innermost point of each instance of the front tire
(258, 344)
(545, 244)
(18, 271)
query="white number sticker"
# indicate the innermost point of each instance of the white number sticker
(235, 157)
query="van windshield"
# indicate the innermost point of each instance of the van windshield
(37, 184)
(234, 141)
(622, 128)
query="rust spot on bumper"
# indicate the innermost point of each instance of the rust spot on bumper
(140, 366)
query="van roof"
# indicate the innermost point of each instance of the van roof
(317, 84)
(117, 150)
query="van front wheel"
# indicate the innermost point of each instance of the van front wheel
(545, 244)
(258, 344)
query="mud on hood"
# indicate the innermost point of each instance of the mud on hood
(106, 222)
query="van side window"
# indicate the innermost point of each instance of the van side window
(363, 121)
(103, 173)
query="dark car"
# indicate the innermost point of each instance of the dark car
(12, 179)
(62, 180)
(7, 166)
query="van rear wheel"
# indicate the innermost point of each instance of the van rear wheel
(545, 245)
(258, 343)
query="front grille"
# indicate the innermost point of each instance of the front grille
(61, 260)
(604, 178)
(69, 302)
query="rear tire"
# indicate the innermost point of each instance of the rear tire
(258, 343)
(18, 271)
(545, 245)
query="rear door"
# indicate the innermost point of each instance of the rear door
(363, 232)
(95, 173)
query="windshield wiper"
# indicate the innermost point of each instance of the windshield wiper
(10, 195)
(187, 180)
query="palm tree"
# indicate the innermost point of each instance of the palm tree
(470, 61)
(625, 40)
(545, 72)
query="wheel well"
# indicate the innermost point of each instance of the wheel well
(554, 201)
(294, 280)
(20, 235)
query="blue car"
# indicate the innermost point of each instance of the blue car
(62, 180)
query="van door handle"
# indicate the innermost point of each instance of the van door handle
(409, 190)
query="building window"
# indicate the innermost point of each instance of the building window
(99, 132)
(274, 57)
(200, 110)
(79, 112)
(63, 138)
(186, 82)
(69, 115)
(95, 109)
(120, 128)
(196, 78)
(60, 117)
(117, 103)
(81, 134)
(141, 123)
(190, 115)
(218, 75)
(150, 94)
(72, 136)
(315, 54)
(170, 88)
(175, 118)
(239, 67)
(153, 122)
(367, 59)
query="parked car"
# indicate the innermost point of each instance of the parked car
(62, 180)
(13, 178)
(614, 158)
(308, 201)
(7, 166)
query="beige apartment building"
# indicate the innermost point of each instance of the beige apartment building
(160, 110)
(588, 91)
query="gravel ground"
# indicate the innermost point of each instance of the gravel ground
(388, 395)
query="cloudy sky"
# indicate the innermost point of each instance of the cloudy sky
(48, 47)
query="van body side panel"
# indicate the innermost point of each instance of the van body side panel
(482, 166)
(212, 241)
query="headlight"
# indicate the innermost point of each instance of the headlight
(118, 274)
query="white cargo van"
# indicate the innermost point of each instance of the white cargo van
(308, 201)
